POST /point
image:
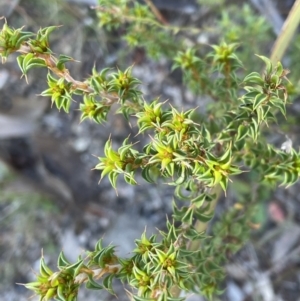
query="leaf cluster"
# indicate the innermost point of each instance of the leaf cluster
(142, 27)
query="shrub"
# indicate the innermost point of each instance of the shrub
(199, 153)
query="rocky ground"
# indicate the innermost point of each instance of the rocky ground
(50, 199)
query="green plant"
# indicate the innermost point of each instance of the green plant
(197, 153)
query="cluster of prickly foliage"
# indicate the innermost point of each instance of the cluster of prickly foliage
(195, 153)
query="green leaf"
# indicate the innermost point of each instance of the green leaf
(193, 235)
(199, 200)
(182, 178)
(290, 178)
(92, 284)
(259, 99)
(20, 60)
(226, 158)
(129, 178)
(113, 177)
(98, 246)
(74, 269)
(62, 60)
(107, 283)
(279, 103)
(62, 261)
(254, 129)
(188, 216)
(22, 37)
(45, 271)
(255, 78)
(242, 132)
(178, 213)
(224, 183)
(268, 63)
(36, 62)
(279, 69)
(28, 57)
(147, 174)
(203, 217)
(60, 293)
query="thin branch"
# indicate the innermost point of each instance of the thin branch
(156, 12)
